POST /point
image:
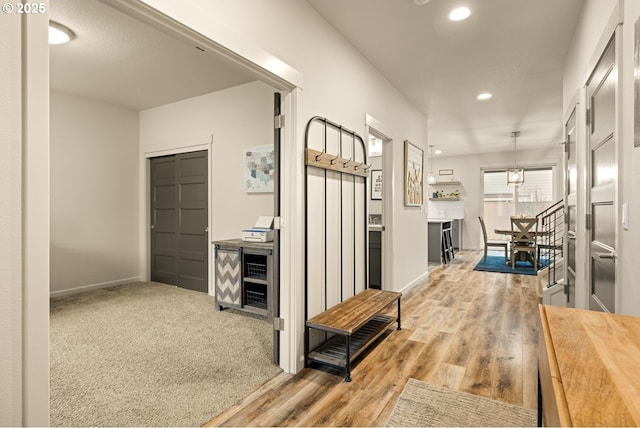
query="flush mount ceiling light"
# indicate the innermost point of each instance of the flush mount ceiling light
(459, 13)
(421, 2)
(438, 152)
(59, 34)
(484, 96)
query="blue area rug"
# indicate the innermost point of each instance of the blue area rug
(496, 264)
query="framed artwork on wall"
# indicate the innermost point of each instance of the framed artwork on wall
(376, 184)
(258, 169)
(413, 172)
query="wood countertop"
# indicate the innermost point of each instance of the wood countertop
(589, 368)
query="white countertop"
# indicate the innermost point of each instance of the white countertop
(440, 220)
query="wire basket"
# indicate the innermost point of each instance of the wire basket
(256, 298)
(256, 270)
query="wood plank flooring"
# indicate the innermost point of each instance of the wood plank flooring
(472, 331)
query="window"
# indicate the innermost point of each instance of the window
(502, 201)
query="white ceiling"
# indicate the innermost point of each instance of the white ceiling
(514, 49)
(120, 60)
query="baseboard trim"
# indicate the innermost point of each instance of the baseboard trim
(415, 282)
(59, 293)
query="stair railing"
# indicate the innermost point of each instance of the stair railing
(550, 243)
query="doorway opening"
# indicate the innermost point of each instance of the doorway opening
(132, 201)
(379, 207)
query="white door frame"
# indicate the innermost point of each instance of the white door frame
(166, 17)
(380, 130)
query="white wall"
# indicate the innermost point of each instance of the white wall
(629, 170)
(229, 121)
(338, 84)
(468, 170)
(24, 221)
(94, 193)
(585, 49)
(10, 226)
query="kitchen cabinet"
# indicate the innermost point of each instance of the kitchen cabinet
(375, 259)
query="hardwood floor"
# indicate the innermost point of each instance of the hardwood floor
(472, 331)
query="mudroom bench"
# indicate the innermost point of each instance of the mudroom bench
(357, 323)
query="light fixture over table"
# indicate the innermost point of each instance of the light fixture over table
(515, 175)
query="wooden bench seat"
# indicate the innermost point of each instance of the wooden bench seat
(357, 323)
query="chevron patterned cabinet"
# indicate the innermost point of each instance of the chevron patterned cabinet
(244, 276)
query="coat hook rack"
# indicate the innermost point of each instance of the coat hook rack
(325, 160)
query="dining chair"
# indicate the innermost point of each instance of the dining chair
(524, 231)
(488, 243)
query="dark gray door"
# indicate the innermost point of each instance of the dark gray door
(602, 177)
(179, 218)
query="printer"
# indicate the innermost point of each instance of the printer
(261, 232)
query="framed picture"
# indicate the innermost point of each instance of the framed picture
(376, 184)
(445, 172)
(259, 169)
(413, 172)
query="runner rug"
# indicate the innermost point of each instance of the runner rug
(422, 404)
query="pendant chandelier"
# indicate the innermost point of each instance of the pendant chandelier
(515, 175)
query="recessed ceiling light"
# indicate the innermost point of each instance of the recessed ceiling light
(421, 2)
(484, 96)
(59, 34)
(459, 13)
(438, 152)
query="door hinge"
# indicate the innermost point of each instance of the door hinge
(278, 121)
(587, 220)
(278, 223)
(278, 323)
(587, 117)
(566, 146)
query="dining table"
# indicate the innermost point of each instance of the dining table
(523, 256)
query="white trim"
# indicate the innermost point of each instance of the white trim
(380, 130)
(36, 223)
(178, 19)
(417, 281)
(97, 286)
(176, 151)
(608, 33)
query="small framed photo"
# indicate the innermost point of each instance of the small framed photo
(376, 184)
(445, 172)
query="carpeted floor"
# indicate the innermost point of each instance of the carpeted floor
(422, 404)
(497, 264)
(150, 354)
